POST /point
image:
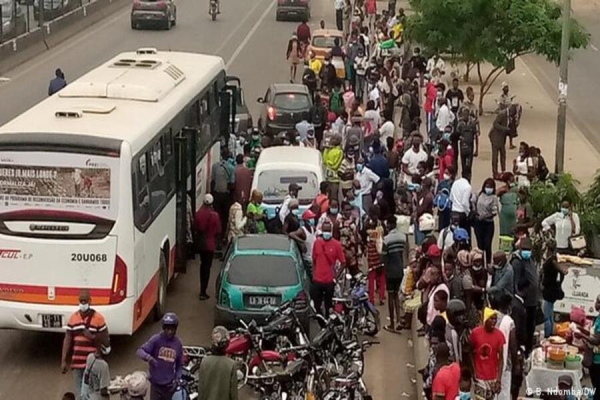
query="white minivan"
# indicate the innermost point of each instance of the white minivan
(279, 166)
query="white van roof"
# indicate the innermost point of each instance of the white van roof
(275, 157)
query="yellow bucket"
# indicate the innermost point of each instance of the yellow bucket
(506, 244)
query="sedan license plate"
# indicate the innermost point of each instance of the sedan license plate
(52, 321)
(261, 301)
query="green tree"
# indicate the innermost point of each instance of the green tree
(492, 31)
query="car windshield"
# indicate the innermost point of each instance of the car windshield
(324, 41)
(262, 270)
(292, 101)
(274, 185)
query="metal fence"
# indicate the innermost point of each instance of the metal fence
(22, 16)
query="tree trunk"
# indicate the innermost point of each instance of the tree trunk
(486, 84)
(469, 68)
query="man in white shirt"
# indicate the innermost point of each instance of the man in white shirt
(367, 179)
(436, 62)
(304, 126)
(387, 129)
(445, 117)
(446, 236)
(412, 157)
(293, 190)
(460, 196)
(372, 119)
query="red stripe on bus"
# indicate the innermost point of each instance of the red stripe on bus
(39, 294)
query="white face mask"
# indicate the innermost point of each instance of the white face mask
(83, 307)
(106, 350)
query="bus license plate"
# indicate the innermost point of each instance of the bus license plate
(52, 321)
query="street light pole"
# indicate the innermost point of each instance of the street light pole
(561, 120)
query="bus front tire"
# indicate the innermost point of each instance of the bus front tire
(161, 300)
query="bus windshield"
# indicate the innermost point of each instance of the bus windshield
(59, 181)
(274, 185)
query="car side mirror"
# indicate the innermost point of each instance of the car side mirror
(260, 100)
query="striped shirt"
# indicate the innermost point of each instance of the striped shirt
(82, 346)
(394, 244)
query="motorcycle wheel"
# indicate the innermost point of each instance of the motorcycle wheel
(372, 322)
(214, 16)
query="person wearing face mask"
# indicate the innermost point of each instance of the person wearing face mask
(85, 326)
(333, 216)
(424, 206)
(305, 237)
(566, 224)
(525, 273)
(328, 255)
(164, 354)
(486, 210)
(503, 281)
(291, 223)
(348, 168)
(350, 238)
(373, 239)
(553, 275)
(480, 277)
(328, 74)
(508, 194)
(96, 376)
(367, 178)
(255, 139)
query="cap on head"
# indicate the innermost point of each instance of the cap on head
(489, 313)
(294, 187)
(434, 251)
(208, 199)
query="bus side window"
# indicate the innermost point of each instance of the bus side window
(169, 162)
(203, 140)
(158, 180)
(193, 116)
(217, 94)
(141, 198)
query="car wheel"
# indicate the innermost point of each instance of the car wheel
(161, 300)
(277, 17)
(133, 25)
(174, 23)
(167, 24)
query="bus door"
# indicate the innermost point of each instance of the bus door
(185, 155)
(228, 109)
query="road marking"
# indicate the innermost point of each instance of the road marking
(249, 35)
(593, 47)
(56, 51)
(234, 32)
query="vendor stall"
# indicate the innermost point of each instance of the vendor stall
(581, 285)
(553, 359)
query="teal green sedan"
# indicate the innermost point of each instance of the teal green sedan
(259, 273)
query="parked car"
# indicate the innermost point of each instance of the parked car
(53, 8)
(243, 118)
(299, 9)
(13, 20)
(323, 40)
(259, 273)
(284, 105)
(153, 12)
(279, 166)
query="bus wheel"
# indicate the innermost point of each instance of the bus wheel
(161, 301)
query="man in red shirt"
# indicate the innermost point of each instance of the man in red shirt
(208, 228)
(327, 252)
(446, 382)
(488, 344)
(303, 32)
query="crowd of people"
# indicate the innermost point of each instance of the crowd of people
(398, 148)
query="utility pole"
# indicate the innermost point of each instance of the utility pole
(561, 120)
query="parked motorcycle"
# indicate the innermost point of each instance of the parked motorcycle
(361, 315)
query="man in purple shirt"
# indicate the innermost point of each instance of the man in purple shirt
(164, 354)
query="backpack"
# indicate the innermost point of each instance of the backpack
(442, 200)
(336, 103)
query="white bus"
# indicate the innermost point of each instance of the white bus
(94, 185)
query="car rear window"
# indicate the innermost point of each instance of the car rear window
(324, 41)
(262, 270)
(291, 101)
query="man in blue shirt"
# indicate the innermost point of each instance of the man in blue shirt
(378, 163)
(164, 354)
(58, 83)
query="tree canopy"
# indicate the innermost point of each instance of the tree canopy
(492, 31)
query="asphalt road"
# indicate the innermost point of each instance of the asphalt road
(253, 44)
(584, 85)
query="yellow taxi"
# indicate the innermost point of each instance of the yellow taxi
(323, 40)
